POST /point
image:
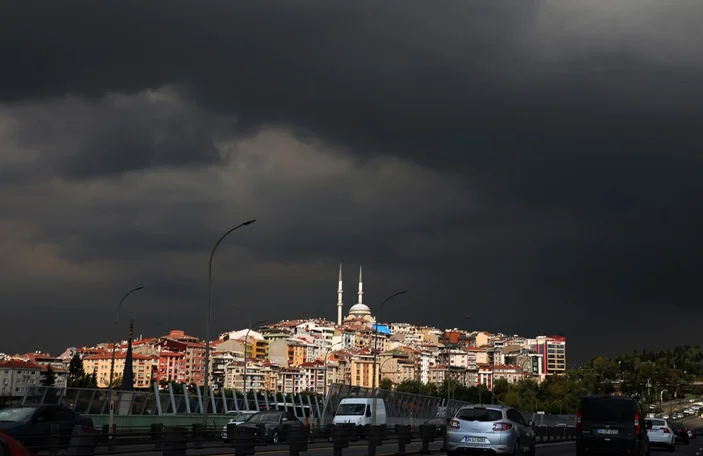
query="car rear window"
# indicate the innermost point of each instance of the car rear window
(606, 409)
(479, 414)
(658, 422)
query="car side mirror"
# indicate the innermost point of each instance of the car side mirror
(530, 423)
(368, 413)
(648, 424)
(284, 419)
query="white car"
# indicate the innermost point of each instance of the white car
(239, 418)
(660, 434)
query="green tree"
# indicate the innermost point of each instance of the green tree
(76, 374)
(386, 384)
(48, 377)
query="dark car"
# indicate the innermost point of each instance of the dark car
(610, 424)
(31, 425)
(682, 435)
(276, 424)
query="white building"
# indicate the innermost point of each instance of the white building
(16, 376)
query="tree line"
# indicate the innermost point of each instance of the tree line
(651, 376)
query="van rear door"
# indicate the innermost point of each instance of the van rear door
(608, 423)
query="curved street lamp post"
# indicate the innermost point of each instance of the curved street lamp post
(448, 379)
(326, 360)
(244, 375)
(112, 362)
(375, 353)
(206, 386)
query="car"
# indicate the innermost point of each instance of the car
(682, 436)
(31, 424)
(489, 428)
(660, 434)
(612, 424)
(276, 423)
(237, 419)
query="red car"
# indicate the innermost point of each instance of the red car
(12, 447)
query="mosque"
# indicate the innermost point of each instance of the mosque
(358, 311)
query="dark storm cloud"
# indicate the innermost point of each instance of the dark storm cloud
(573, 126)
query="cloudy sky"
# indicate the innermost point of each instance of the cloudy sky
(535, 164)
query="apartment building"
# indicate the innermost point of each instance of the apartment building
(553, 350)
(288, 353)
(17, 375)
(145, 368)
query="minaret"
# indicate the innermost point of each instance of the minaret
(339, 297)
(361, 287)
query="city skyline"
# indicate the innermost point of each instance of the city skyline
(534, 165)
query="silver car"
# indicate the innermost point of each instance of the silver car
(660, 434)
(490, 428)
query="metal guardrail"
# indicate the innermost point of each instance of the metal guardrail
(401, 408)
(182, 440)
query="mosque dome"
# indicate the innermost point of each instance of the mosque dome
(359, 309)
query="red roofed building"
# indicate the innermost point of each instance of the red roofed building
(194, 353)
(17, 375)
(144, 367)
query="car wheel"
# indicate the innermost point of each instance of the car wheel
(452, 453)
(672, 447)
(275, 438)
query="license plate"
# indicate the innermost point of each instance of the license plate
(607, 431)
(474, 440)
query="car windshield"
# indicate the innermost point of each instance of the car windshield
(16, 415)
(479, 414)
(351, 409)
(606, 409)
(243, 417)
(265, 416)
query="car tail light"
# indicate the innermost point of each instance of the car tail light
(638, 428)
(578, 420)
(454, 424)
(666, 430)
(502, 426)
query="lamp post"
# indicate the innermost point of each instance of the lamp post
(468, 317)
(246, 339)
(327, 352)
(209, 316)
(112, 362)
(375, 353)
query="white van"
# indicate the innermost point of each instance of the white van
(359, 411)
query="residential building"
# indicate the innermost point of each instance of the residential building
(553, 350)
(171, 366)
(145, 368)
(361, 369)
(288, 353)
(17, 375)
(397, 365)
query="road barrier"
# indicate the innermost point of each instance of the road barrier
(245, 440)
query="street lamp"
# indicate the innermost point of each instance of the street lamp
(327, 352)
(246, 339)
(112, 363)
(209, 317)
(375, 352)
(468, 317)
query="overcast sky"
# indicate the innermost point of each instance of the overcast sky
(535, 164)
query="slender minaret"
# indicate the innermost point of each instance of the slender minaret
(361, 287)
(340, 293)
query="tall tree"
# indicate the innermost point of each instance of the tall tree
(48, 377)
(76, 374)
